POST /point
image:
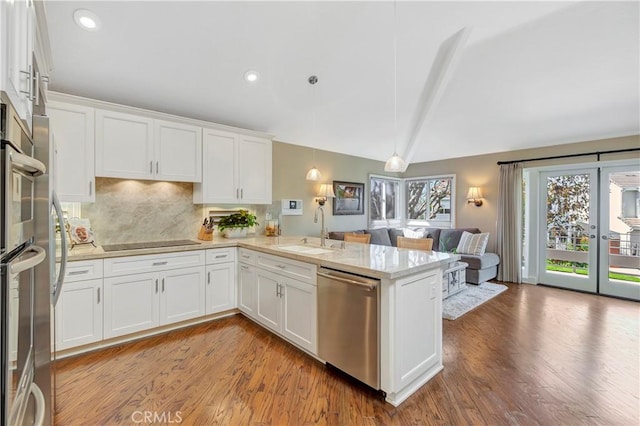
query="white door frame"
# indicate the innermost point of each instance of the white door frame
(532, 243)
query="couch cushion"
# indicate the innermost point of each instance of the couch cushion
(434, 234)
(393, 236)
(449, 238)
(473, 243)
(414, 233)
(487, 260)
(478, 276)
(340, 234)
(379, 236)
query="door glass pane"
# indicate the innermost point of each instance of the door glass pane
(567, 220)
(624, 227)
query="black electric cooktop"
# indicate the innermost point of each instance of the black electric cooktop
(147, 245)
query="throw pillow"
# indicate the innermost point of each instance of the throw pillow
(379, 236)
(410, 233)
(473, 243)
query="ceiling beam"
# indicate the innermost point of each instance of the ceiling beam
(439, 76)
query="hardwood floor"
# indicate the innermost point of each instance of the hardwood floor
(532, 355)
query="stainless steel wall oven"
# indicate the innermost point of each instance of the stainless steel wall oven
(19, 257)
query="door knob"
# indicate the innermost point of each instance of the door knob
(604, 237)
(592, 236)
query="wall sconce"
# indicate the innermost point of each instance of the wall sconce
(326, 191)
(474, 196)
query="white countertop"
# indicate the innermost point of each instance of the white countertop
(365, 259)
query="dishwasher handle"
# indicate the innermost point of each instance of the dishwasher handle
(348, 281)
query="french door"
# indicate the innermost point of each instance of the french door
(569, 229)
(589, 229)
(620, 237)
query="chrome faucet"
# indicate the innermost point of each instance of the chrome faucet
(323, 231)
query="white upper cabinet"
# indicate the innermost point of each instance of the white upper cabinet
(254, 170)
(124, 145)
(135, 147)
(73, 129)
(219, 157)
(18, 38)
(236, 169)
(178, 152)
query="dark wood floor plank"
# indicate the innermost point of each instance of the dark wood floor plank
(533, 355)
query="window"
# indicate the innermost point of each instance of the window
(428, 201)
(385, 200)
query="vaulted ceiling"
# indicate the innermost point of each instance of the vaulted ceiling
(530, 74)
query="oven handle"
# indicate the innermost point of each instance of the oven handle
(57, 289)
(23, 265)
(26, 164)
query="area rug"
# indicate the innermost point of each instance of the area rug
(475, 295)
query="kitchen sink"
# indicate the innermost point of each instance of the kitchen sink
(305, 249)
(147, 245)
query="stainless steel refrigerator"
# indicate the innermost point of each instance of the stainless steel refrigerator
(30, 284)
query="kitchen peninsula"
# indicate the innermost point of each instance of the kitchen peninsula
(282, 270)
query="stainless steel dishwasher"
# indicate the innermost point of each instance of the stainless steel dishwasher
(348, 331)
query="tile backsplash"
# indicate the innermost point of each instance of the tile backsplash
(138, 210)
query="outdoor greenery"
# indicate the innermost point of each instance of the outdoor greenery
(583, 271)
(242, 219)
(567, 204)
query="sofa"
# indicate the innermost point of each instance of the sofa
(481, 267)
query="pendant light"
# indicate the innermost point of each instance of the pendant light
(314, 173)
(395, 163)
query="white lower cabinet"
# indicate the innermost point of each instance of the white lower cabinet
(221, 287)
(299, 313)
(143, 292)
(248, 290)
(182, 294)
(269, 300)
(79, 311)
(132, 304)
(142, 301)
(284, 302)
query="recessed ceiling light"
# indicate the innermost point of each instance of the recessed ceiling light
(86, 19)
(251, 76)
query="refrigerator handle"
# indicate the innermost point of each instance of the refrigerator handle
(38, 396)
(57, 287)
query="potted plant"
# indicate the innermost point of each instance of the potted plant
(236, 225)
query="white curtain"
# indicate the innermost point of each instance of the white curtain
(510, 223)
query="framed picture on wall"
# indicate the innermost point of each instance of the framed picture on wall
(349, 198)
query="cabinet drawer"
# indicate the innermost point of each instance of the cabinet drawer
(221, 255)
(247, 256)
(152, 263)
(83, 270)
(292, 268)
